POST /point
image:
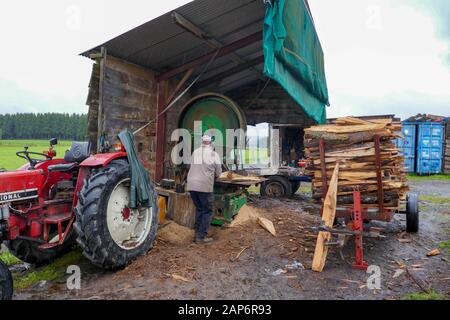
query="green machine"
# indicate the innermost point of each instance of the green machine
(228, 200)
(214, 114)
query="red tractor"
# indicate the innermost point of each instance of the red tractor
(49, 204)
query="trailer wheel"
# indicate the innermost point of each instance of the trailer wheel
(6, 283)
(110, 233)
(412, 213)
(276, 187)
(29, 251)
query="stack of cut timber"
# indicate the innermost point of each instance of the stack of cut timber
(350, 142)
(236, 178)
(447, 157)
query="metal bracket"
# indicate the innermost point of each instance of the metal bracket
(347, 232)
(358, 226)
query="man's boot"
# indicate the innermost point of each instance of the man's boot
(203, 240)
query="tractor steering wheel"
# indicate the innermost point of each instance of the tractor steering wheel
(33, 161)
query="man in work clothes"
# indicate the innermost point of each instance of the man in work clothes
(205, 168)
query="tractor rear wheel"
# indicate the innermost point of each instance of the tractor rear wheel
(29, 251)
(6, 283)
(110, 233)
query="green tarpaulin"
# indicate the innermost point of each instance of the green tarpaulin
(294, 56)
(142, 191)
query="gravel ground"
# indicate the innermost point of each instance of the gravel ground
(246, 262)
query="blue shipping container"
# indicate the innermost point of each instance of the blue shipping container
(408, 145)
(430, 151)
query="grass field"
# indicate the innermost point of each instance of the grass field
(431, 177)
(8, 149)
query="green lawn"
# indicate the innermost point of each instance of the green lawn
(436, 200)
(8, 149)
(432, 295)
(255, 156)
(431, 177)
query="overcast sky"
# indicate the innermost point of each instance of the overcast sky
(382, 56)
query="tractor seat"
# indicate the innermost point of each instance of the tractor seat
(78, 152)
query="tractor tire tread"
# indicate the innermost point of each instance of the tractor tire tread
(6, 283)
(93, 237)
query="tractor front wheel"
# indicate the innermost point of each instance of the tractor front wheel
(110, 233)
(6, 283)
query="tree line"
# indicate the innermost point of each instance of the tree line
(43, 126)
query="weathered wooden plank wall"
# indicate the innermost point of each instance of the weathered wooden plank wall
(93, 102)
(128, 96)
(172, 121)
(128, 99)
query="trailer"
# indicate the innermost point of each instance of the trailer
(364, 160)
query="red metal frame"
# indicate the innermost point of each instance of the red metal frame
(358, 226)
(204, 59)
(102, 159)
(383, 214)
(160, 131)
(83, 173)
(358, 213)
(35, 220)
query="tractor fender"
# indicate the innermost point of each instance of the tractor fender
(102, 159)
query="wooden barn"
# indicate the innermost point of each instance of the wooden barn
(207, 46)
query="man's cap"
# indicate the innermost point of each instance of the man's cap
(206, 138)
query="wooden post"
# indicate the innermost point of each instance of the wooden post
(329, 213)
(380, 190)
(358, 226)
(323, 167)
(160, 130)
(100, 100)
(180, 85)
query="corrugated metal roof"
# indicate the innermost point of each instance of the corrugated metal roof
(162, 45)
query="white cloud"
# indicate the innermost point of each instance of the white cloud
(380, 52)
(40, 69)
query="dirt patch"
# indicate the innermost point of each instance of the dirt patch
(247, 262)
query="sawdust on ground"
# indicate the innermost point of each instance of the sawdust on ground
(174, 233)
(246, 215)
